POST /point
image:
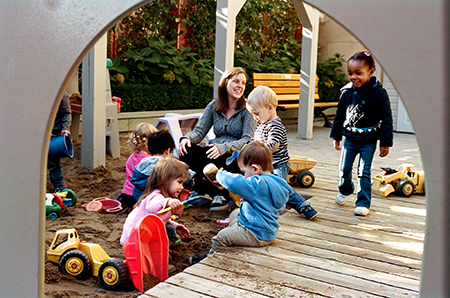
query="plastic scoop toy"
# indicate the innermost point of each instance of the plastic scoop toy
(188, 201)
(147, 250)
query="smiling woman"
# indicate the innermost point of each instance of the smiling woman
(233, 127)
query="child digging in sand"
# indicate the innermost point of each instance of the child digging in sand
(264, 197)
(138, 142)
(162, 190)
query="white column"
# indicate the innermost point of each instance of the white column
(93, 126)
(309, 17)
(226, 13)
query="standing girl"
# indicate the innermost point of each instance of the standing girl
(363, 116)
(138, 141)
(163, 188)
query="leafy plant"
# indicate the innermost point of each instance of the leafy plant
(268, 39)
(139, 97)
(162, 63)
(331, 78)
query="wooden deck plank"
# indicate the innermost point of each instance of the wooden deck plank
(212, 286)
(166, 289)
(265, 276)
(280, 261)
(330, 261)
(241, 279)
(336, 254)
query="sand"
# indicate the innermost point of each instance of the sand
(106, 228)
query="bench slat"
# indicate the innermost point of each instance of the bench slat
(291, 97)
(287, 88)
(276, 76)
(274, 84)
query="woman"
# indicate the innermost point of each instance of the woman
(233, 126)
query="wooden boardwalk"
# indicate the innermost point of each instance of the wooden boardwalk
(336, 255)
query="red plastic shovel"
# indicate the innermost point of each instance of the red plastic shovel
(147, 250)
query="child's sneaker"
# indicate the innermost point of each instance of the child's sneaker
(196, 259)
(219, 203)
(341, 199)
(363, 211)
(196, 199)
(223, 222)
(309, 212)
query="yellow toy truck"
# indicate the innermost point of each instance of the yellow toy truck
(405, 181)
(299, 171)
(80, 259)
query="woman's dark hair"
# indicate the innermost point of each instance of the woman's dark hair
(222, 101)
(364, 56)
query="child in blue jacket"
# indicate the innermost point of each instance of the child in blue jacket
(160, 145)
(264, 197)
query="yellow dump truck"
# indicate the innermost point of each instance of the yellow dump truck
(299, 171)
(80, 259)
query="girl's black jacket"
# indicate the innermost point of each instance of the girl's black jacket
(366, 107)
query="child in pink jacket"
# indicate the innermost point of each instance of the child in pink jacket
(138, 142)
(163, 188)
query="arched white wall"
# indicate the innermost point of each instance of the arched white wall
(410, 40)
(43, 41)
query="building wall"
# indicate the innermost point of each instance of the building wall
(333, 38)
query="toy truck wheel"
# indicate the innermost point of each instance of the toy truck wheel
(75, 263)
(53, 215)
(72, 196)
(305, 179)
(112, 274)
(405, 187)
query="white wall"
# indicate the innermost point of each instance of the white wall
(333, 38)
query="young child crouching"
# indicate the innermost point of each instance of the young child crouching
(162, 190)
(264, 196)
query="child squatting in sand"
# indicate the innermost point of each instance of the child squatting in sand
(162, 190)
(264, 197)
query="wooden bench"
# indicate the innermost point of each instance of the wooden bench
(287, 88)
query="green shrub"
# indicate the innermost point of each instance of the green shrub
(162, 63)
(138, 97)
(331, 80)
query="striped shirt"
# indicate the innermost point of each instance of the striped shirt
(272, 133)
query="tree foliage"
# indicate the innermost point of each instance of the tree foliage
(150, 48)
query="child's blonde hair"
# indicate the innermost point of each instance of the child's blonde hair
(165, 172)
(262, 96)
(138, 138)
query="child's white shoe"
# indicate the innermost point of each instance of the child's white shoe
(363, 211)
(341, 199)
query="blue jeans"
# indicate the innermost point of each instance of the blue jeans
(348, 155)
(55, 172)
(281, 170)
(295, 201)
